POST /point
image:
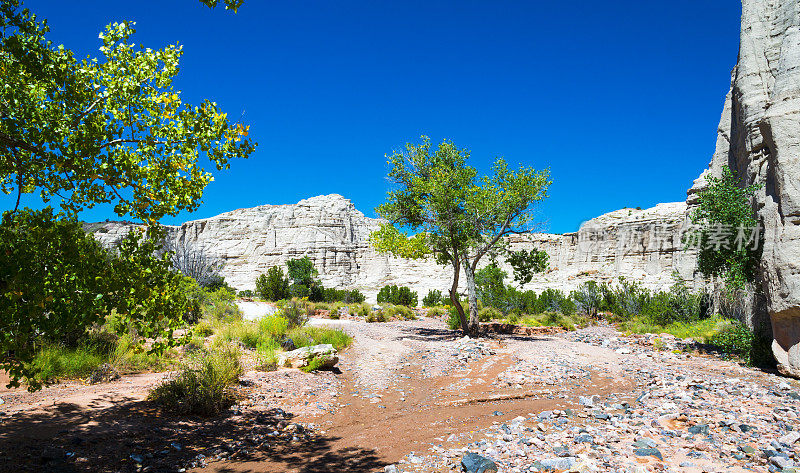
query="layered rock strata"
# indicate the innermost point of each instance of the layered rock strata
(637, 244)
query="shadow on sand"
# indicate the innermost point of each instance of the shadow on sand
(94, 438)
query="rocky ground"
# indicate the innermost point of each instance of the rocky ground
(412, 396)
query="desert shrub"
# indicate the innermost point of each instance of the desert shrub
(247, 293)
(487, 314)
(267, 355)
(272, 286)
(307, 336)
(587, 298)
(313, 365)
(397, 295)
(376, 316)
(343, 295)
(453, 320)
(203, 386)
(554, 300)
(737, 339)
(630, 297)
(436, 311)
(362, 310)
(272, 327)
(129, 356)
(295, 311)
(203, 328)
(433, 299)
(513, 318)
(57, 361)
(220, 306)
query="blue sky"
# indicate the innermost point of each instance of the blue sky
(621, 99)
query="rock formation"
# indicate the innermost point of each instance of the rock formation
(636, 244)
(759, 138)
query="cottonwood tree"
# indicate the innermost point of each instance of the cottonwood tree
(460, 216)
(86, 132)
(107, 131)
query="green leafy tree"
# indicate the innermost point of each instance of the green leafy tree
(111, 131)
(302, 271)
(96, 131)
(491, 287)
(232, 5)
(526, 263)
(56, 282)
(460, 217)
(726, 222)
(272, 286)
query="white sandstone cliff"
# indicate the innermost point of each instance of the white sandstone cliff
(638, 244)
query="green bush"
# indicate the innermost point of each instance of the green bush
(295, 311)
(588, 298)
(738, 339)
(397, 295)
(267, 355)
(308, 336)
(436, 311)
(272, 286)
(487, 314)
(433, 299)
(203, 328)
(453, 321)
(376, 316)
(220, 306)
(203, 386)
(57, 282)
(54, 361)
(247, 293)
(313, 365)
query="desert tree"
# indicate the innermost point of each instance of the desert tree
(457, 216)
(192, 260)
(85, 132)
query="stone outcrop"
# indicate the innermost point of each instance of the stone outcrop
(759, 138)
(638, 244)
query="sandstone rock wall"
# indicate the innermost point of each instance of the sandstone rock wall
(759, 138)
(638, 244)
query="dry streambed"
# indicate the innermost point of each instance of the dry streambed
(413, 396)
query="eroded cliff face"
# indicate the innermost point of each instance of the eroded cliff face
(638, 244)
(759, 138)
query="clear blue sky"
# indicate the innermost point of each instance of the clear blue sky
(621, 99)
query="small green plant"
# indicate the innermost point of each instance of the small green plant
(314, 364)
(203, 386)
(267, 355)
(436, 311)
(376, 316)
(203, 329)
(487, 314)
(307, 336)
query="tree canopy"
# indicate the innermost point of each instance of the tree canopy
(458, 216)
(111, 130)
(729, 236)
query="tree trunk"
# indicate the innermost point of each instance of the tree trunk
(454, 297)
(474, 325)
